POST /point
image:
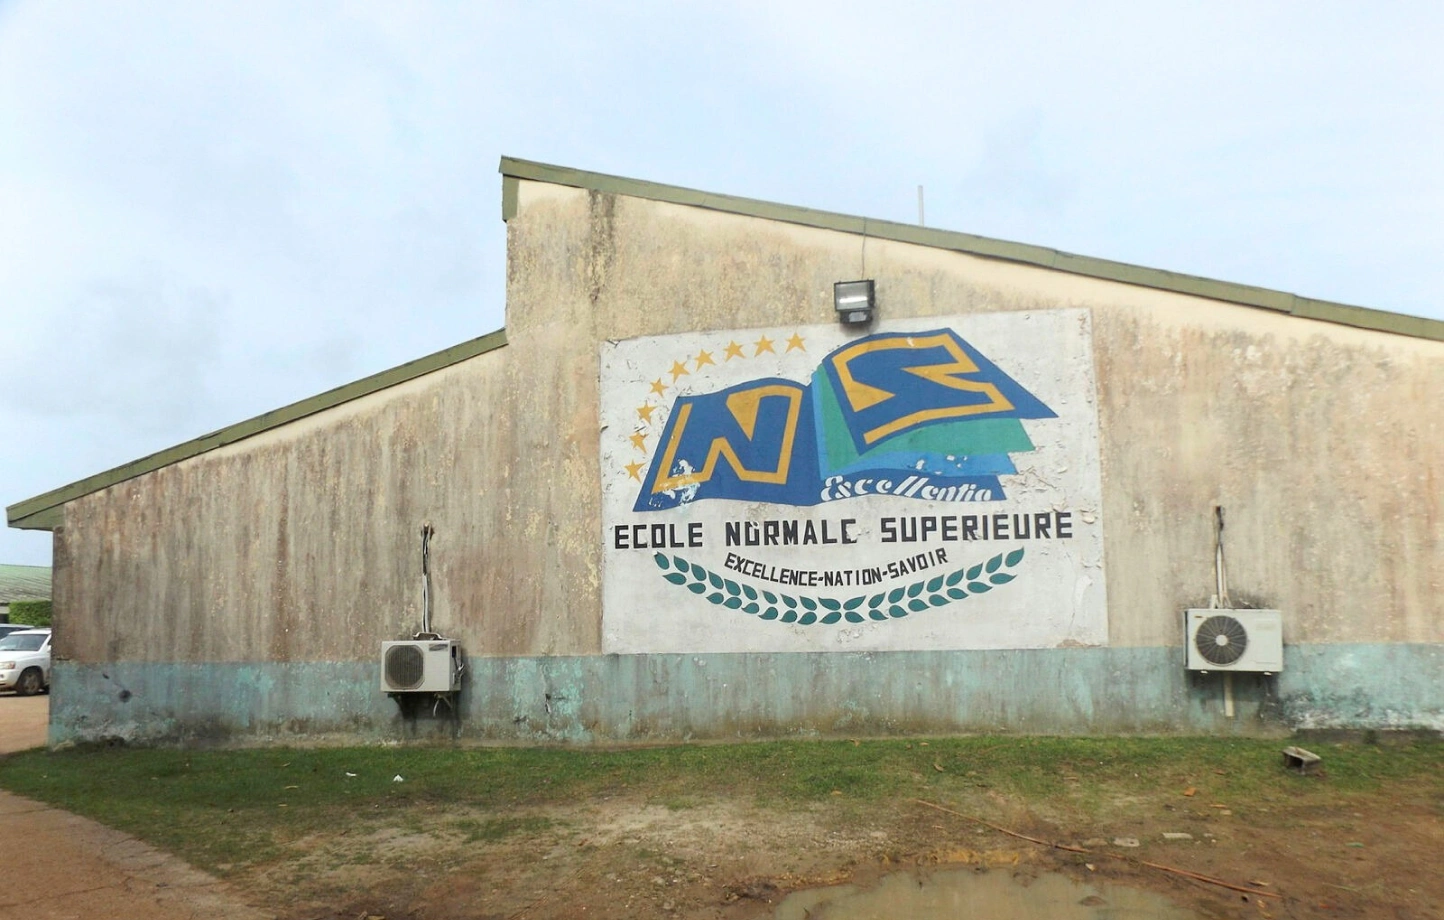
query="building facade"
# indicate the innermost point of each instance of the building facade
(676, 498)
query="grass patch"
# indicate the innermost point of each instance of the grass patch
(494, 829)
(242, 806)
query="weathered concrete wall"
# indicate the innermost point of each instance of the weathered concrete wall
(1319, 440)
(271, 569)
(302, 544)
(648, 698)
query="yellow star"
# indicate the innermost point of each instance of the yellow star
(635, 470)
(678, 369)
(646, 412)
(659, 387)
(763, 344)
(795, 343)
(733, 351)
(704, 358)
(639, 441)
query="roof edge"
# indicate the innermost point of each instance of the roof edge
(43, 512)
(1421, 327)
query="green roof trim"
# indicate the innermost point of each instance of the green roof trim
(509, 186)
(1246, 295)
(43, 512)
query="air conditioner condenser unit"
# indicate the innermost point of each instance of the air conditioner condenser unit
(421, 666)
(1234, 640)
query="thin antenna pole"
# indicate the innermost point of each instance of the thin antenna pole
(921, 222)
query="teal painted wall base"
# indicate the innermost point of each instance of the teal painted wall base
(621, 698)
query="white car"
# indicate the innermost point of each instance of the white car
(25, 661)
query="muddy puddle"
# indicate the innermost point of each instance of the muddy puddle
(958, 894)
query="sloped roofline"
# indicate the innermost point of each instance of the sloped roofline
(514, 170)
(43, 512)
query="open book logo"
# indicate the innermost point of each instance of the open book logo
(916, 415)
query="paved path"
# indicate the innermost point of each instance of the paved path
(60, 866)
(22, 721)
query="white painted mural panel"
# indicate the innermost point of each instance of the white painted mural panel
(925, 484)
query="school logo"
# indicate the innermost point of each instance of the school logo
(916, 415)
(930, 484)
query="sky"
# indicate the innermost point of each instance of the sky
(209, 210)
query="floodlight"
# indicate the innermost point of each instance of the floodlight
(854, 301)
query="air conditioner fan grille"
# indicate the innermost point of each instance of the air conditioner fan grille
(404, 667)
(1221, 640)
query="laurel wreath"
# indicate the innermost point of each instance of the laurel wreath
(926, 594)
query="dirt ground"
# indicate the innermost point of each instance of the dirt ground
(722, 860)
(59, 866)
(696, 858)
(23, 721)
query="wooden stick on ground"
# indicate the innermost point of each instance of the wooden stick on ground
(1142, 862)
(1194, 875)
(1002, 830)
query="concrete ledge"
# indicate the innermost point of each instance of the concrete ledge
(659, 698)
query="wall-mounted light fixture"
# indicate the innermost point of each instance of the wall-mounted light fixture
(854, 301)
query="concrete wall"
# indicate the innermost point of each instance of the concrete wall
(301, 544)
(245, 591)
(629, 698)
(1319, 440)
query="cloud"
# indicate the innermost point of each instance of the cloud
(1016, 172)
(212, 209)
(134, 354)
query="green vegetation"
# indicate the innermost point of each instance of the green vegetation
(36, 613)
(497, 828)
(231, 807)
